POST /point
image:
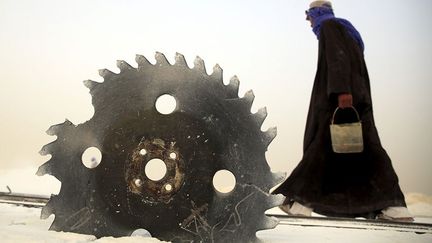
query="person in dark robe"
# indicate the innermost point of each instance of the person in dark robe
(362, 184)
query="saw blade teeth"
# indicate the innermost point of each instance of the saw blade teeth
(49, 208)
(180, 60)
(279, 177)
(47, 148)
(55, 129)
(199, 65)
(260, 116)
(90, 84)
(161, 59)
(249, 98)
(142, 61)
(46, 212)
(123, 65)
(217, 73)
(234, 84)
(269, 135)
(267, 223)
(105, 73)
(45, 168)
(275, 200)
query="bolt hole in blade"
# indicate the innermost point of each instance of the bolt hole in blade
(224, 181)
(166, 104)
(155, 169)
(173, 155)
(143, 152)
(91, 157)
(138, 182)
(168, 187)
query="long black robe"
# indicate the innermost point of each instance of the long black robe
(333, 184)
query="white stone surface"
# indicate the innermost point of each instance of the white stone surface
(20, 224)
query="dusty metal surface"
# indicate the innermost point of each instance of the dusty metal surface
(155, 191)
(211, 129)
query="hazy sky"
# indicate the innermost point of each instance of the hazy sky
(48, 47)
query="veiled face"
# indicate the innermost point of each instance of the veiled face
(314, 13)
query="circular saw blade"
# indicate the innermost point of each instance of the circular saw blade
(211, 129)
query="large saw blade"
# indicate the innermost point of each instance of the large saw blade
(211, 129)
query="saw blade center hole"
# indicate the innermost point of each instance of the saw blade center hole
(155, 169)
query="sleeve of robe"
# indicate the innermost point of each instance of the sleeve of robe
(337, 58)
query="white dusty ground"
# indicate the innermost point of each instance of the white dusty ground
(20, 224)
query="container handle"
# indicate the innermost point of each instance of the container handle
(337, 108)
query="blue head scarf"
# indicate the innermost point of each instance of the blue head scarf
(320, 14)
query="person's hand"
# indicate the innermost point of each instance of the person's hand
(345, 101)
